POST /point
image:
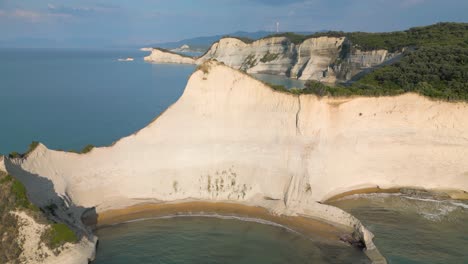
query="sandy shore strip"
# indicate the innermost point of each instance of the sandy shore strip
(453, 194)
(304, 225)
(362, 191)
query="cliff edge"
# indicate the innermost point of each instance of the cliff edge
(232, 138)
(326, 59)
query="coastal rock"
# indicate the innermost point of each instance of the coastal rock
(165, 56)
(326, 59)
(232, 138)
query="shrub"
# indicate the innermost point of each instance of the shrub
(315, 87)
(269, 57)
(243, 39)
(5, 178)
(250, 61)
(21, 197)
(14, 155)
(87, 148)
(205, 68)
(32, 147)
(59, 234)
(278, 87)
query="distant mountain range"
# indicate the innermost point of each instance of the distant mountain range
(203, 43)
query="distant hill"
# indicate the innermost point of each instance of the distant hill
(203, 43)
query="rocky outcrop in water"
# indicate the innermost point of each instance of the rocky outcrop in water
(326, 59)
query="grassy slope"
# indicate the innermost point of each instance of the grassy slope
(13, 197)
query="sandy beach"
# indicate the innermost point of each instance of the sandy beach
(304, 225)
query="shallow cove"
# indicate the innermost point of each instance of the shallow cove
(226, 233)
(412, 229)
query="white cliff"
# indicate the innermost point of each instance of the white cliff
(165, 56)
(232, 138)
(315, 56)
(326, 59)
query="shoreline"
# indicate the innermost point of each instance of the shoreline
(309, 227)
(452, 194)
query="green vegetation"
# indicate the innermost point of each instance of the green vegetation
(87, 148)
(9, 247)
(440, 34)
(31, 148)
(205, 68)
(19, 192)
(250, 61)
(243, 39)
(293, 37)
(276, 87)
(440, 73)
(5, 178)
(84, 150)
(436, 65)
(59, 234)
(13, 197)
(14, 155)
(269, 57)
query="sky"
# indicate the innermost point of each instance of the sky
(120, 23)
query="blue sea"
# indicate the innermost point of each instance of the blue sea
(67, 99)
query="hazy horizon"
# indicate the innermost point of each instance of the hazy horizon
(120, 23)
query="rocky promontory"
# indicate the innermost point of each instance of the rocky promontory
(326, 59)
(231, 138)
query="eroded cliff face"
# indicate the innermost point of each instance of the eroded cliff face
(326, 59)
(232, 138)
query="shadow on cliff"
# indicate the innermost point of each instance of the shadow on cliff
(58, 209)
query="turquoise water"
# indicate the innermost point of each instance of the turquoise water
(411, 230)
(70, 98)
(212, 240)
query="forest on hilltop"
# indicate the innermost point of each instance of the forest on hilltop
(435, 65)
